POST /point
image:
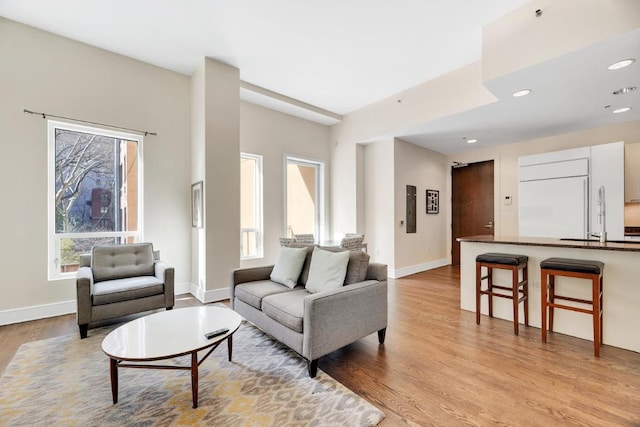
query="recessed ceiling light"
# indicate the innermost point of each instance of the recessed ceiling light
(621, 64)
(621, 110)
(624, 90)
(471, 141)
(523, 92)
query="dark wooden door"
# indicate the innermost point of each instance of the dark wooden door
(471, 203)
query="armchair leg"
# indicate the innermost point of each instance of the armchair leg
(312, 366)
(381, 335)
(83, 330)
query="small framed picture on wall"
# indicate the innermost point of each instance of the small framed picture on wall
(433, 201)
(197, 205)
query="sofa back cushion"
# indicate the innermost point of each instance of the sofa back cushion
(357, 266)
(288, 266)
(328, 270)
(119, 261)
(302, 280)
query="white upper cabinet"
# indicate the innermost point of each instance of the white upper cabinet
(632, 173)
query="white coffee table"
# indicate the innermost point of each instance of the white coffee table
(166, 335)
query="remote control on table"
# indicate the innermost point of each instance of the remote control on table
(215, 333)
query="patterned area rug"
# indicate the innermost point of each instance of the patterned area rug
(65, 381)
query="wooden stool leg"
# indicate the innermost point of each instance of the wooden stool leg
(552, 296)
(515, 298)
(596, 315)
(600, 315)
(478, 287)
(525, 293)
(543, 302)
(490, 289)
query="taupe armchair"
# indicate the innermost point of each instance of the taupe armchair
(118, 280)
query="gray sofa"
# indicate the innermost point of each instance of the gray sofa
(118, 280)
(315, 324)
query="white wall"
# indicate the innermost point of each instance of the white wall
(427, 247)
(215, 111)
(379, 208)
(43, 72)
(273, 135)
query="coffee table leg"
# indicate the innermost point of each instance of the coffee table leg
(194, 378)
(113, 367)
(230, 346)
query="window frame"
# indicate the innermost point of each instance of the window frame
(54, 239)
(259, 208)
(319, 190)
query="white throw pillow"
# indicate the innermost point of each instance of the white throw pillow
(289, 265)
(327, 270)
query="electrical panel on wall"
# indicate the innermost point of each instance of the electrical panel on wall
(411, 208)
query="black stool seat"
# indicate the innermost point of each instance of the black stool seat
(505, 259)
(576, 265)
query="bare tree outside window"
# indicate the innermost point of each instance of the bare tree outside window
(95, 192)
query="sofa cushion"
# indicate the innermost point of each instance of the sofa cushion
(288, 266)
(121, 261)
(357, 266)
(110, 291)
(252, 293)
(304, 274)
(286, 309)
(327, 271)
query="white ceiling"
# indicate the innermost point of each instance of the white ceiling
(341, 55)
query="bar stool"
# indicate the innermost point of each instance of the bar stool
(581, 269)
(511, 262)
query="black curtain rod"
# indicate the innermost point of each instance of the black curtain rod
(45, 115)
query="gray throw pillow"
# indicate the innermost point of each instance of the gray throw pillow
(302, 280)
(357, 267)
(327, 270)
(288, 267)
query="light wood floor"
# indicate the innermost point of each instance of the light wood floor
(437, 367)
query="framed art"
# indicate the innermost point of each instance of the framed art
(433, 201)
(197, 205)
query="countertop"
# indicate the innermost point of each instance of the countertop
(540, 241)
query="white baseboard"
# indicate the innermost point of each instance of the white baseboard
(413, 269)
(35, 312)
(209, 296)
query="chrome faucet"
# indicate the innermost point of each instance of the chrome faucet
(602, 216)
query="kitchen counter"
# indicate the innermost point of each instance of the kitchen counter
(621, 284)
(616, 245)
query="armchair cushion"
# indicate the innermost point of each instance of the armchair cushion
(119, 261)
(110, 291)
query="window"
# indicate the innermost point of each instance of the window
(250, 206)
(304, 197)
(94, 192)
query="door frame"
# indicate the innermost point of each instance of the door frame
(496, 206)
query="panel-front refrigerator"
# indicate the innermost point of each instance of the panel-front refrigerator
(556, 207)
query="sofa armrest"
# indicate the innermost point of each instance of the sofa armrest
(341, 316)
(84, 290)
(166, 273)
(244, 275)
(376, 271)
